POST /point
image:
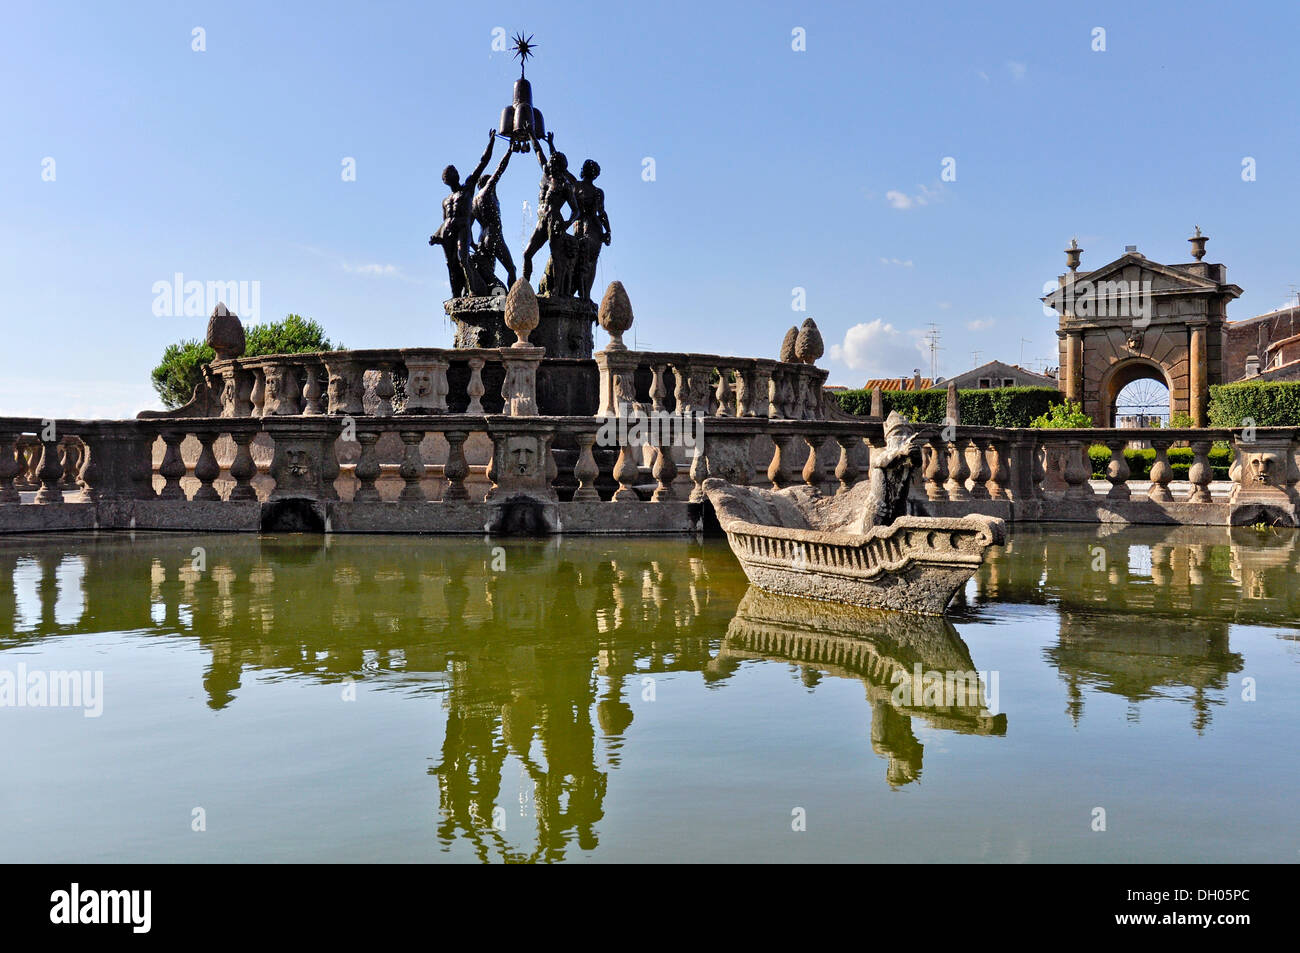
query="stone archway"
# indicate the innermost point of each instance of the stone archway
(1122, 373)
(1136, 316)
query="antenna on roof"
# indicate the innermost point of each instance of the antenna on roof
(932, 342)
(1023, 342)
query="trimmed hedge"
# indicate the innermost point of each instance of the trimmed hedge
(984, 407)
(1141, 461)
(1272, 404)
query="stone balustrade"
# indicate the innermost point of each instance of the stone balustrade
(380, 383)
(710, 385)
(558, 465)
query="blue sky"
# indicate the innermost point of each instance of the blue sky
(775, 168)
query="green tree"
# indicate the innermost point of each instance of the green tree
(1061, 416)
(181, 367)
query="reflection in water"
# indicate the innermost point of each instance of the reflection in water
(890, 653)
(534, 659)
(1145, 611)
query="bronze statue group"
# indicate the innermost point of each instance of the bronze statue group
(571, 269)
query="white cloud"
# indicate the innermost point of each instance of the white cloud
(383, 271)
(980, 324)
(1017, 70)
(982, 75)
(880, 350)
(944, 305)
(896, 261)
(924, 196)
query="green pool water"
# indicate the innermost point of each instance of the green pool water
(361, 698)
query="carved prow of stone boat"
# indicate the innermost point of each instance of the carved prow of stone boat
(915, 564)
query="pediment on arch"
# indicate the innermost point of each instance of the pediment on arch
(1136, 270)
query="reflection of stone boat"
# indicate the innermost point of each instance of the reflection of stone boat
(794, 543)
(889, 653)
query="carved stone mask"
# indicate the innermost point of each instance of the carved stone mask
(421, 383)
(521, 454)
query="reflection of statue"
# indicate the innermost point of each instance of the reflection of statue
(492, 247)
(592, 228)
(558, 188)
(454, 232)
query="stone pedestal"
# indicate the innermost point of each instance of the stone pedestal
(564, 329)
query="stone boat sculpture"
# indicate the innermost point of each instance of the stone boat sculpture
(855, 547)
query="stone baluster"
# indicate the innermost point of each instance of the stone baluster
(243, 468)
(206, 468)
(936, 468)
(778, 471)
(999, 482)
(1117, 471)
(726, 402)
(9, 467)
(173, 466)
(384, 391)
(625, 472)
(475, 389)
(746, 392)
(1161, 473)
(70, 454)
(347, 387)
(1200, 473)
(658, 390)
(412, 468)
(846, 471)
(698, 472)
(664, 470)
(958, 471)
(980, 473)
(90, 476)
(367, 468)
(586, 470)
(1077, 471)
(257, 395)
(312, 392)
(812, 474)
(456, 468)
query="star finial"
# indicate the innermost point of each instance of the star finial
(524, 47)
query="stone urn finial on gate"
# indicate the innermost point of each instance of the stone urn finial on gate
(1198, 244)
(615, 315)
(522, 313)
(225, 333)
